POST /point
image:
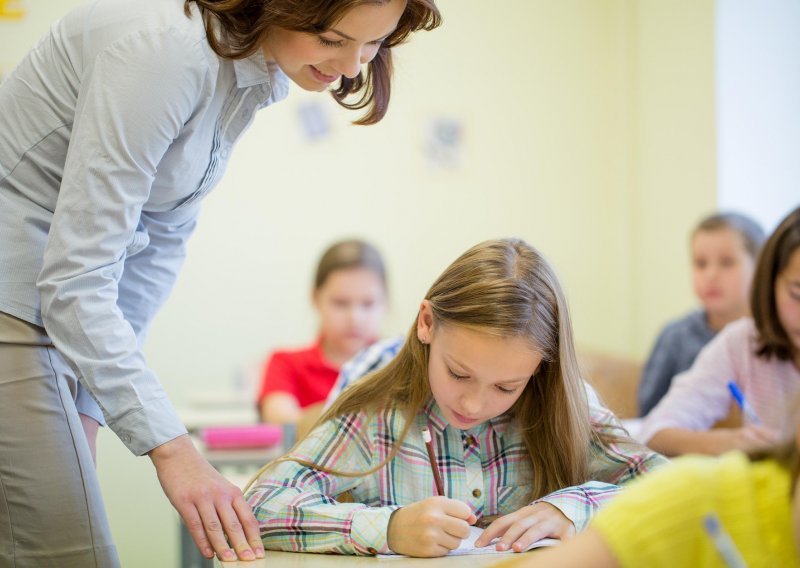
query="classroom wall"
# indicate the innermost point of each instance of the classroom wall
(588, 129)
(757, 48)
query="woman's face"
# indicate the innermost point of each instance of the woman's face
(787, 301)
(474, 376)
(315, 61)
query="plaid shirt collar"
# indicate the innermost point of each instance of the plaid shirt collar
(438, 423)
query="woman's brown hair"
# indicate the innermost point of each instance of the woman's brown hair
(236, 29)
(784, 241)
(503, 288)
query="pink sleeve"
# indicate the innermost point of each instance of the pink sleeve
(699, 397)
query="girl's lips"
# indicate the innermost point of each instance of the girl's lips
(463, 419)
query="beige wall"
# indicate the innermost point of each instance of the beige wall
(588, 130)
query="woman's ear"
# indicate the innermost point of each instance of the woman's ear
(425, 322)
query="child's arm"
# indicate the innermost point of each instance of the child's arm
(611, 467)
(296, 506)
(714, 442)
(277, 401)
(569, 510)
(698, 397)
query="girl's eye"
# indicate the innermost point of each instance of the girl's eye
(506, 391)
(456, 377)
(330, 42)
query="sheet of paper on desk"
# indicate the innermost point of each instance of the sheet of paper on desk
(468, 546)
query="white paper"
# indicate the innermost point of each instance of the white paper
(468, 546)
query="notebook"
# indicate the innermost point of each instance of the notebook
(468, 546)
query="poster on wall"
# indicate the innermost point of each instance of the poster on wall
(443, 142)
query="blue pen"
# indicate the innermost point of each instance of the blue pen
(738, 396)
(723, 542)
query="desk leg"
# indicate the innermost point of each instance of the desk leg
(190, 555)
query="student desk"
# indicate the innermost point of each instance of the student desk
(275, 559)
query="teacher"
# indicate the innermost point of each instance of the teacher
(113, 129)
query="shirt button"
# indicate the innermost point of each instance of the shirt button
(372, 550)
(471, 440)
(476, 493)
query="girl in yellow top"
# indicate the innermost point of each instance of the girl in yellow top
(659, 521)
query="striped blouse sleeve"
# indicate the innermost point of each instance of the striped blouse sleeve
(296, 506)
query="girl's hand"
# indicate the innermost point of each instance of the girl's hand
(748, 438)
(526, 526)
(432, 527)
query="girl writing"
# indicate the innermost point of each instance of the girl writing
(489, 369)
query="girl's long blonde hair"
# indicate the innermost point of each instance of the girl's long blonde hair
(503, 288)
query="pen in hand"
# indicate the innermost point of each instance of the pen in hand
(437, 478)
(748, 410)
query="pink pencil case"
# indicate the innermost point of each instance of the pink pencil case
(239, 437)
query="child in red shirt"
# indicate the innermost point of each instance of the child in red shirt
(350, 298)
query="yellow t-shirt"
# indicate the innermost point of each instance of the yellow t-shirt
(659, 520)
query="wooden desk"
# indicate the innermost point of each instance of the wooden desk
(300, 560)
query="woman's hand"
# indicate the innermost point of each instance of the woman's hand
(527, 525)
(432, 527)
(211, 507)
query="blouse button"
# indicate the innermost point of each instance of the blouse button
(476, 493)
(471, 441)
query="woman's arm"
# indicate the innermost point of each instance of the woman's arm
(123, 125)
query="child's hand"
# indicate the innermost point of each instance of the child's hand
(432, 527)
(748, 438)
(526, 526)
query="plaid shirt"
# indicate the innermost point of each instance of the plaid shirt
(367, 360)
(486, 467)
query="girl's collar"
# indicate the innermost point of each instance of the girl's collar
(431, 416)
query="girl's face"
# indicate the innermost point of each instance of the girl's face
(315, 61)
(722, 271)
(787, 301)
(474, 376)
(351, 303)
